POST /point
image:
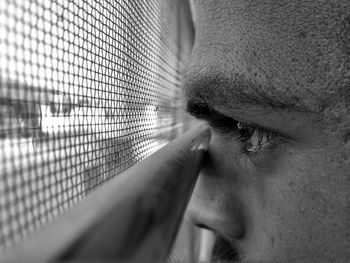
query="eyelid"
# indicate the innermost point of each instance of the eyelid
(286, 134)
(214, 118)
(243, 136)
(222, 123)
(223, 126)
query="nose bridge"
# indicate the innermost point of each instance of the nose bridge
(216, 203)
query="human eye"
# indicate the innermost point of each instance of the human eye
(255, 139)
(251, 138)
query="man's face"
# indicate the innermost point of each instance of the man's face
(272, 79)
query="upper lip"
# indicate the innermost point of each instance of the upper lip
(225, 250)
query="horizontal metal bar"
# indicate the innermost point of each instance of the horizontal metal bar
(132, 218)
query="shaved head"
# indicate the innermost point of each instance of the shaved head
(297, 52)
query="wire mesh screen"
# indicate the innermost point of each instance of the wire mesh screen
(87, 88)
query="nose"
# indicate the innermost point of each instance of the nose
(216, 203)
(216, 211)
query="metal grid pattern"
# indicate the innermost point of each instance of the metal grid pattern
(87, 88)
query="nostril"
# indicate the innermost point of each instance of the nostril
(203, 226)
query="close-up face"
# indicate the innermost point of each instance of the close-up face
(272, 80)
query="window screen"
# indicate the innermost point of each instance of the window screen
(87, 89)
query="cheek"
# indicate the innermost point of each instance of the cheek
(236, 174)
(229, 163)
(296, 207)
(268, 162)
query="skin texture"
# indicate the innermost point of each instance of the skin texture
(281, 65)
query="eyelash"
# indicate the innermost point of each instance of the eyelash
(242, 133)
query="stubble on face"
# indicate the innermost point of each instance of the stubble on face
(285, 65)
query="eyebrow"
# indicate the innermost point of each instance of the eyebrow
(211, 89)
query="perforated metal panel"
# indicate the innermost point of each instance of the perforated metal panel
(87, 88)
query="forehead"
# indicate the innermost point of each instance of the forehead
(298, 50)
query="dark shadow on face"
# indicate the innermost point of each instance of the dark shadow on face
(224, 251)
